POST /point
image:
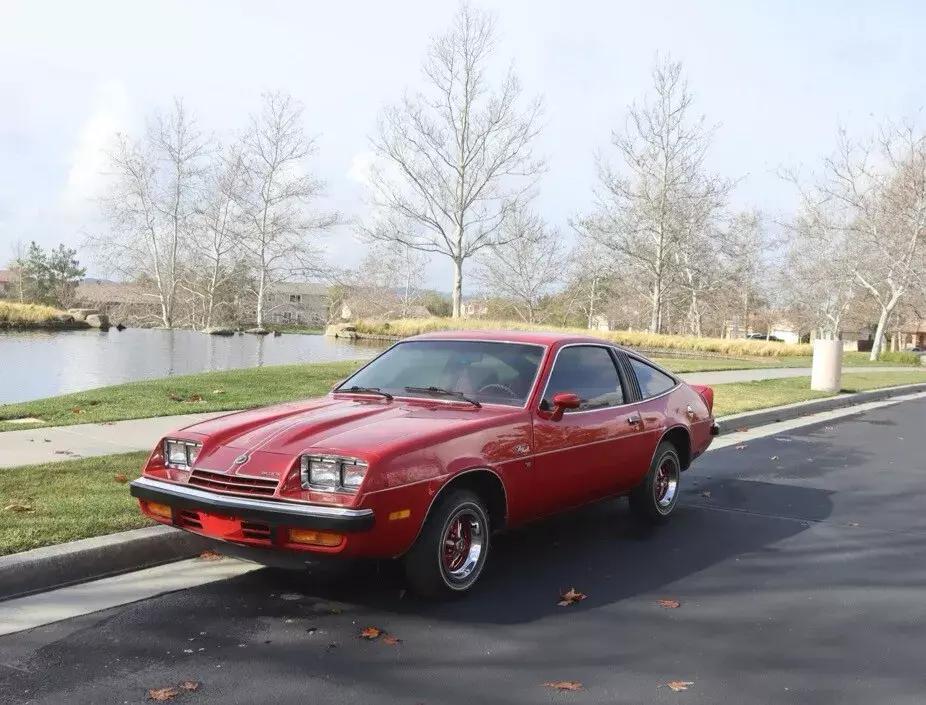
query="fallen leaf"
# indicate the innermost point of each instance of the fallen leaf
(828, 428)
(121, 479)
(570, 597)
(370, 633)
(63, 452)
(853, 523)
(163, 694)
(190, 686)
(563, 685)
(774, 457)
(210, 556)
(669, 604)
(195, 398)
(742, 429)
(174, 397)
(741, 447)
(677, 685)
(218, 391)
(392, 640)
(18, 508)
(77, 411)
(706, 494)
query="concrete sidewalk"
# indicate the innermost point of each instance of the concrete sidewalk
(45, 445)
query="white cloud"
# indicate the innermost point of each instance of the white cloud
(111, 113)
(360, 167)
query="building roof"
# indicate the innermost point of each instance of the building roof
(96, 292)
(307, 288)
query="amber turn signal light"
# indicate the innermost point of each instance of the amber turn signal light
(161, 510)
(314, 538)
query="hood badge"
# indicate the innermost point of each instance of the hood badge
(242, 459)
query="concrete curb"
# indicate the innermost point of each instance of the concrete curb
(90, 559)
(763, 417)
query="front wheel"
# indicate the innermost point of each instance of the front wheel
(451, 551)
(654, 500)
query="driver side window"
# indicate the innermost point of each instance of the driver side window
(587, 371)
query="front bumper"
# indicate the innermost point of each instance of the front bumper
(272, 512)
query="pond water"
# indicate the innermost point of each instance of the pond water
(34, 365)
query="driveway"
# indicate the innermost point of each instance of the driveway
(799, 562)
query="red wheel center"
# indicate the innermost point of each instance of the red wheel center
(457, 543)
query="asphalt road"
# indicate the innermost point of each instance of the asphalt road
(801, 578)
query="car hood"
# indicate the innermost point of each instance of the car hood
(336, 425)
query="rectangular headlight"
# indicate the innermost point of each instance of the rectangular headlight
(331, 474)
(180, 454)
(352, 473)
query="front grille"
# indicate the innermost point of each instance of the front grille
(233, 484)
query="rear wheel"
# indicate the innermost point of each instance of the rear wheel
(654, 500)
(451, 551)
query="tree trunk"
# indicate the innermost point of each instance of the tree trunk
(656, 314)
(879, 334)
(457, 286)
(591, 303)
(261, 285)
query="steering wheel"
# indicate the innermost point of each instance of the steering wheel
(505, 389)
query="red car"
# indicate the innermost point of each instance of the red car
(431, 447)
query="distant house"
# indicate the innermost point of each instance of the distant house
(121, 302)
(913, 334)
(474, 308)
(7, 283)
(853, 335)
(297, 303)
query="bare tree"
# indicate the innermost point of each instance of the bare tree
(216, 239)
(152, 203)
(525, 266)
(276, 197)
(869, 205)
(455, 162)
(662, 194)
(590, 273)
(389, 281)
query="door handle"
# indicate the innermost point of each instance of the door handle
(633, 419)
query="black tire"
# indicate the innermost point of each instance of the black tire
(653, 501)
(426, 565)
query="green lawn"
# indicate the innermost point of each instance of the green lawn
(737, 397)
(70, 500)
(209, 391)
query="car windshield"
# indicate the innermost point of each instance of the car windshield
(487, 372)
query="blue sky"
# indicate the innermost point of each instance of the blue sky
(777, 76)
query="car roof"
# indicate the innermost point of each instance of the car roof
(536, 337)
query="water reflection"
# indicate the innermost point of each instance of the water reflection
(38, 364)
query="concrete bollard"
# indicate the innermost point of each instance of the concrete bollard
(826, 372)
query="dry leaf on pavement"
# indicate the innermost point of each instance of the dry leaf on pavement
(742, 429)
(563, 685)
(669, 604)
(210, 556)
(677, 685)
(190, 685)
(392, 640)
(121, 479)
(570, 597)
(706, 494)
(743, 447)
(163, 694)
(370, 633)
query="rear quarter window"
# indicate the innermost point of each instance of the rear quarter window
(652, 382)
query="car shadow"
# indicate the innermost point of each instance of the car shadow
(599, 550)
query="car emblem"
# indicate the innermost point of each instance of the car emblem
(241, 459)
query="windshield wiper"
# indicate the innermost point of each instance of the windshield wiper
(367, 390)
(444, 393)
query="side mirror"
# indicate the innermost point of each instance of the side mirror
(563, 401)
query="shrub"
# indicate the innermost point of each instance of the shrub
(651, 341)
(902, 357)
(26, 313)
